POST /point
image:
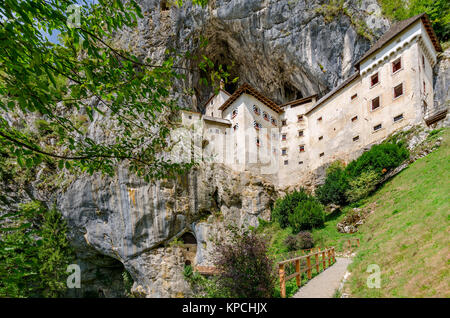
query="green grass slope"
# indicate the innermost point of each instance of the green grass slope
(408, 234)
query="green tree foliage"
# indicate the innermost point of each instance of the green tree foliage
(437, 10)
(307, 215)
(87, 72)
(361, 186)
(360, 177)
(34, 253)
(380, 159)
(335, 186)
(298, 210)
(285, 206)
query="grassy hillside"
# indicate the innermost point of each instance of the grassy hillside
(408, 235)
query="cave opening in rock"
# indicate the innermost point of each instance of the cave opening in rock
(164, 5)
(219, 52)
(291, 93)
(188, 238)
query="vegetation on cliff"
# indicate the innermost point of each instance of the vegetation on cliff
(34, 252)
(437, 10)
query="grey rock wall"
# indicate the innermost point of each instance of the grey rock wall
(286, 48)
(133, 222)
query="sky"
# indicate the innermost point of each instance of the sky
(54, 36)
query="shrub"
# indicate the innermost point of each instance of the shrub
(202, 286)
(306, 239)
(302, 240)
(307, 215)
(292, 243)
(245, 270)
(286, 206)
(362, 186)
(379, 158)
(335, 186)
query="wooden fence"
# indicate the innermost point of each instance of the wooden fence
(349, 243)
(328, 256)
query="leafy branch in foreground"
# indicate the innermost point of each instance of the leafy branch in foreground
(85, 75)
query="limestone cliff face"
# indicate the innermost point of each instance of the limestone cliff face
(440, 83)
(132, 222)
(286, 49)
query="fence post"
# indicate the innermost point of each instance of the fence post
(317, 262)
(282, 281)
(334, 254)
(349, 245)
(357, 241)
(329, 257)
(297, 270)
(324, 263)
(308, 262)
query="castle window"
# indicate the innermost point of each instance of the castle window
(283, 137)
(286, 162)
(212, 102)
(265, 116)
(398, 118)
(301, 148)
(284, 152)
(257, 125)
(256, 110)
(356, 138)
(397, 65)
(375, 103)
(424, 87)
(377, 127)
(354, 96)
(398, 90)
(283, 122)
(274, 122)
(235, 127)
(321, 137)
(354, 118)
(300, 133)
(300, 162)
(374, 80)
(322, 154)
(423, 62)
(299, 118)
(234, 113)
(190, 116)
(319, 119)
(212, 114)
(258, 142)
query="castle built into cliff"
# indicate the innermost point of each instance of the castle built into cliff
(392, 88)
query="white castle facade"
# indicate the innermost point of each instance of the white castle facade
(392, 88)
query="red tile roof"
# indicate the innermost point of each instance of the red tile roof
(246, 88)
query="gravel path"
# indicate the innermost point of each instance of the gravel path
(325, 284)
